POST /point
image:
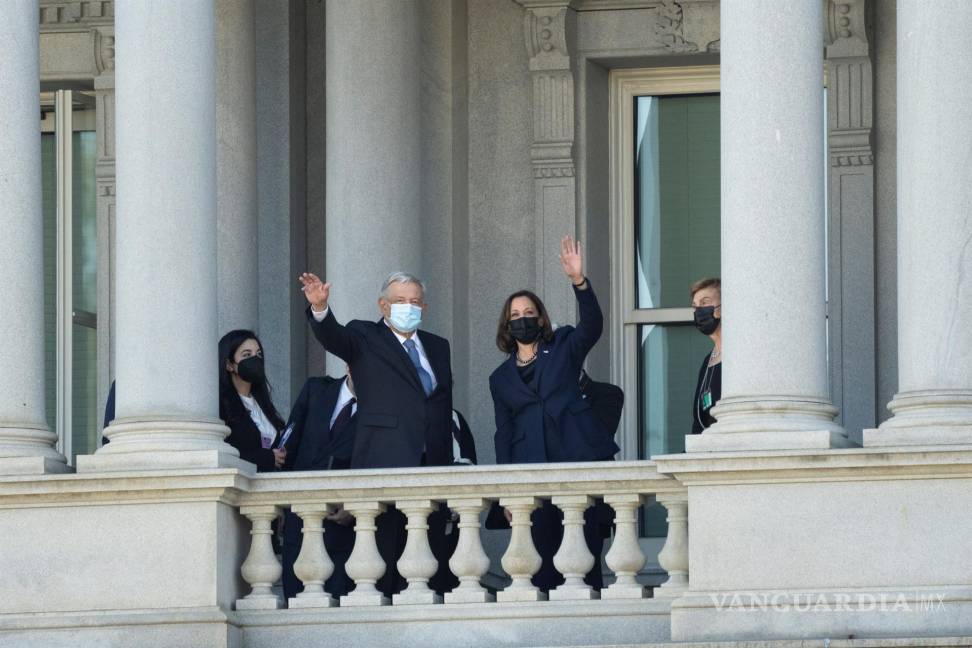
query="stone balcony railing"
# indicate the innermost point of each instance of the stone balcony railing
(624, 486)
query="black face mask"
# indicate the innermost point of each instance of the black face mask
(251, 370)
(525, 329)
(705, 319)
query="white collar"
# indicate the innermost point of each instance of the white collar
(402, 338)
(344, 396)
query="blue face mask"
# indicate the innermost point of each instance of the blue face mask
(405, 317)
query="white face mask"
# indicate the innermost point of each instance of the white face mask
(405, 317)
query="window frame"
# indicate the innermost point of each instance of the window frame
(626, 318)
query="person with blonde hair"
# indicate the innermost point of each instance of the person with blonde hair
(707, 304)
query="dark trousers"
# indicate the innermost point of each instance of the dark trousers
(548, 533)
(391, 537)
(338, 540)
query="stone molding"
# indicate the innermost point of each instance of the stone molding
(846, 28)
(56, 15)
(550, 35)
(851, 213)
(104, 38)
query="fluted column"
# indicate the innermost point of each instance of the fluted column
(521, 560)
(313, 566)
(26, 441)
(166, 403)
(934, 400)
(365, 565)
(775, 392)
(261, 569)
(373, 148)
(236, 160)
(625, 558)
(573, 559)
(417, 564)
(469, 562)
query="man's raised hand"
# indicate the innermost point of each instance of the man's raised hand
(315, 290)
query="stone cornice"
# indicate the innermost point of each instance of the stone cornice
(853, 464)
(58, 15)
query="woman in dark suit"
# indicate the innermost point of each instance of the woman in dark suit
(244, 401)
(541, 415)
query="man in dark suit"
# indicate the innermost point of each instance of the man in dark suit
(403, 376)
(403, 379)
(322, 425)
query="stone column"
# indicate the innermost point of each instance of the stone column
(775, 388)
(26, 441)
(934, 400)
(373, 149)
(236, 172)
(166, 407)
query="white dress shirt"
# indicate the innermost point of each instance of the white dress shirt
(423, 359)
(268, 433)
(343, 398)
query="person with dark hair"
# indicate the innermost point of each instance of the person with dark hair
(707, 305)
(244, 401)
(541, 413)
(403, 379)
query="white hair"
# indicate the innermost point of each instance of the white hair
(401, 278)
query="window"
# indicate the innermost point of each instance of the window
(68, 155)
(665, 222)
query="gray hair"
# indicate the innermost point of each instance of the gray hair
(401, 278)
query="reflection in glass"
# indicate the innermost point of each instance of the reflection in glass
(676, 196)
(84, 370)
(670, 357)
(84, 407)
(669, 361)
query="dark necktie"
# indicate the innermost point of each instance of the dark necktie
(413, 355)
(343, 417)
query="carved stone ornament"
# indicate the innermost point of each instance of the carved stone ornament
(104, 40)
(55, 14)
(669, 28)
(846, 28)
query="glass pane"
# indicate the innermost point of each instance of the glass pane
(84, 369)
(676, 196)
(85, 223)
(669, 361)
(84, 411)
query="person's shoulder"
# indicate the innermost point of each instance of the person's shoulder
(428, 336)
(498, 371)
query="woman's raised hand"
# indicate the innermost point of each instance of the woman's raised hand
(315, 290)
(570, 259)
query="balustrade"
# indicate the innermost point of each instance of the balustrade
(468, 492)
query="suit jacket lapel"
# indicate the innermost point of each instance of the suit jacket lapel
(543, 354)
(514, 380)
(330, 397)
(399, 356)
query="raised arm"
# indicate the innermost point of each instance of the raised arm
(333, 337)
(591, 323)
